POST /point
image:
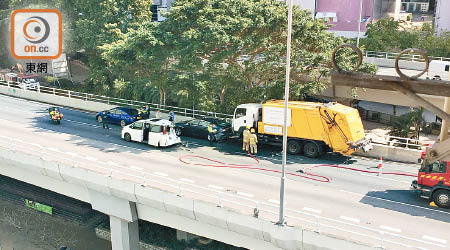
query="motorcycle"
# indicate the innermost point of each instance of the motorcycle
(55, 115)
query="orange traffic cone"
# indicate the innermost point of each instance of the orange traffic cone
(380, 163)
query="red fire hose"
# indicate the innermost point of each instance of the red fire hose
(303, 173)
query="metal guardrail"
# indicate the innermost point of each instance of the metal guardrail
(183, 188)
(405, 57)
(187, 112)
(401, 142)
(388, 140)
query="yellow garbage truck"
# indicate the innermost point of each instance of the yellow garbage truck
(312, 128)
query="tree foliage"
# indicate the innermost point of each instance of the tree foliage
(402, 125)
(208, 54)
(220, 53)
(394, 36)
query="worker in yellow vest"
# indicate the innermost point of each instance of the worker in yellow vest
(253, 140)
(245, 139)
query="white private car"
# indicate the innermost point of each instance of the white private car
(155, 132)
(29, 84)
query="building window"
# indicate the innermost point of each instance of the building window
(328, 17)
(154, 10)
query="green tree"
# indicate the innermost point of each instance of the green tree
(216, 54)
(241, 46)
(390, 35)
(402, 125)
(101, 22)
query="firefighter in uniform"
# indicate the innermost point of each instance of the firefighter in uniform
(211, 135)
(245, 139)
(253, 140)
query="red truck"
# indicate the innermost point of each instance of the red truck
(433, 181)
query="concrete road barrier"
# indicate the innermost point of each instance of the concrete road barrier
(391, 153)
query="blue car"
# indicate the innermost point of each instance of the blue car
(119, 115)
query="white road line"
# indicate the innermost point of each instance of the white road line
(349, 219)
(384, 178)
(112, 163)
(53, 149)
(90, 158)
(396, 202)
(317, 211)
(161, 174)
(390, 228)
(245, 194)
(215, 187)
(426, 237)
(273, 201)
(137, 168)
(186, 180)
(70, 153)
(35, 144)
(83, 123)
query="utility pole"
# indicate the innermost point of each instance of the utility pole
(281, 221)
(359, 22)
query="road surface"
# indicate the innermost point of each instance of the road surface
(351, 202)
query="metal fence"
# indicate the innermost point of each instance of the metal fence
(405, 57)
(253, 207)
(187, 112)
(400, 142)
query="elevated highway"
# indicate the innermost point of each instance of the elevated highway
(129, 181)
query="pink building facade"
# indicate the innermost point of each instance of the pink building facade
(343, 15)
(442, 21)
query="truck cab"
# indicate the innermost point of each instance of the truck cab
(433, 182)
(246, 115)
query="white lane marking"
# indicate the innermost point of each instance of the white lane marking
(384, 178)
(397, 202)
(350, 219)
(186, 180)
(112, 163)
(215, 187)
(53, 149)
(161, 174)
(70, 153)
(390, 228)
(83, 123)
(245, 194)
(426, 237)
(90, 158)
(137, 168)
(317, 211)
(36, 145)
(273, 201)
(67, 120)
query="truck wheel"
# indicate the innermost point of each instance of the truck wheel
(99, 119)
(312, 150)
(294, 147)
(442, 198)
(127, 137)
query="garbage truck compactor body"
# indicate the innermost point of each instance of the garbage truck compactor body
(312, 128)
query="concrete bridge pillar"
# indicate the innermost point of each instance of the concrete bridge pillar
(124, 234)
(123, 219)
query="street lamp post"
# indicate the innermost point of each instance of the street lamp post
(359, 22)
(281, 221)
